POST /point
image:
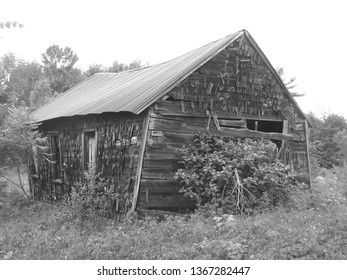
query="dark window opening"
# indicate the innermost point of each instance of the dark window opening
(267, 126)
(56, 156)
(170, 98)
(89, 149)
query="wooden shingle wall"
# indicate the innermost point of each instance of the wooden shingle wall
(118, 141)
(220, 97)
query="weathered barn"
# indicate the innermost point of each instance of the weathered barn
(131, 123)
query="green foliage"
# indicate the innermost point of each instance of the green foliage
(17, 79)
(237, 175)
(314, 229)
(340, 138)
(30, 84)
(326, 147)
(58, 66)
(95, 68)
(92, 198)
(40, 94)
(19, 142)
(115, 68)
(289, 84)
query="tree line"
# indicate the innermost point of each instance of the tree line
(31, 84)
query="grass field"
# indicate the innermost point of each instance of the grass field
(12, 179)
(313, 227)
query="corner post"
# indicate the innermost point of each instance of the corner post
(141, 156)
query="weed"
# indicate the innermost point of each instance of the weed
(312, 227)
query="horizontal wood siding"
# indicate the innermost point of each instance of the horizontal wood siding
(219, 97)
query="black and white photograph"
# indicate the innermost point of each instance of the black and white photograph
(173, 139)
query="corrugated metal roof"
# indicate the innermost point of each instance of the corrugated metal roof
(135, 90)
(131, 91)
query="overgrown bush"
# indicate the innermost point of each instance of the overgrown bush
(240, 176)
(91, 198)
(20, 142)
(3, 193)
(315, 229)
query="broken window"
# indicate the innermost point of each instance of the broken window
(89, 148)
(265, 126)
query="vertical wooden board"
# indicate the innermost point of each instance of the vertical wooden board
(284, 143)
(307, 139)
(143, 144)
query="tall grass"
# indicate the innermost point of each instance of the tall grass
(313, 226)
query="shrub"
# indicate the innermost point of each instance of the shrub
(241, 176)
(92, 198)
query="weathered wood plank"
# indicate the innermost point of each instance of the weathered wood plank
(158, 163)
(174, 126)
(284, 142)
(169, 137)
(165, 201)
(307, 137)
(203, 120)
(157, 173)
(140, 160)
(297, 146)
(232, 123)
(159, 186)
(173, 108)
(159, 144)
(161, 153)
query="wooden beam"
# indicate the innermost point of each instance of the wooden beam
(307, 135)
(189, 128)
(230, 122)
(160, 186)
(162, 200)
(284, 143)
(140, 163)
(246, 133)
(173, 108)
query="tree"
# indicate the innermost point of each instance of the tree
(22, 81)
(340, 138)
(58, 64)
(18, 141)
(289, 84)
(326, 147)
(119, 67)
(95, 68)
(17, 78)
(115, 68)
(40, 94)
(7, 65)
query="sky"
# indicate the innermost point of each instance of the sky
(307, 38)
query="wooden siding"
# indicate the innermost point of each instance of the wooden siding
(219, 97)
(118, 141)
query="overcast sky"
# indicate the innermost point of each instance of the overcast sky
(307, 38)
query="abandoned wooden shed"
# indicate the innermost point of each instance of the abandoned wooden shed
(131, 123)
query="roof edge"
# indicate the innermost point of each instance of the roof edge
(274, 72)
(234, 36)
